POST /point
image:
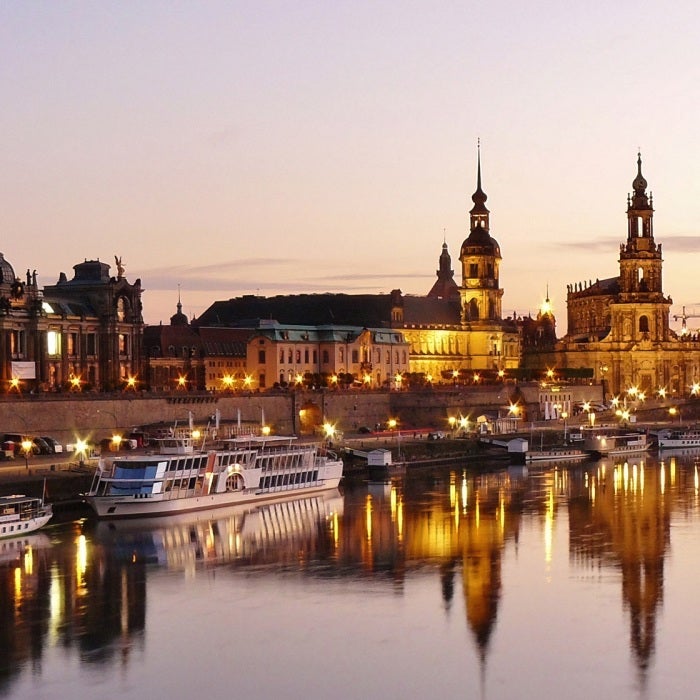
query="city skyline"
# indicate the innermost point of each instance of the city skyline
(241, 148)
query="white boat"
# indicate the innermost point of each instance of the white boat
(683, 437)
(613, 441)
(21, 514)
(178, 479)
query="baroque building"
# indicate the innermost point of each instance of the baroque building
(85, 330)
(460, 328)
(619, 327)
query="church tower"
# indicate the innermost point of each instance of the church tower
(480, 257)
(640, 311)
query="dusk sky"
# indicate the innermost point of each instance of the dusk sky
(275, 147)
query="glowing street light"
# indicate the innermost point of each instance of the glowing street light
(266, 430)
(228, 381)
(13, 384)
(392, 423)
(662, 392)
(329, 431)
(182, 382)
(75, 383)
(131, 383)
(116, 442)
(81, 448)
(695, 389)
(26, 448)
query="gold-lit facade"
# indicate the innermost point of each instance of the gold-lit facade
(620, 326)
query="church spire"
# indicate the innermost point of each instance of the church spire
(479, 214)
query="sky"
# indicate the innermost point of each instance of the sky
(229, 148)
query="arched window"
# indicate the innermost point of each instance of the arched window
(473, 310)
(643, 324)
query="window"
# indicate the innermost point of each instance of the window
(289, 355)
(261, 381)
(261, 357)
(298, 356)
(355, 356)
(306, 355)
(473, 270)
(315, 356)
(91, 344)
(72, 339)
(326, 357)
(18, 344)
(123, 341)
(282, 356)
(643, 324)
(53, 343)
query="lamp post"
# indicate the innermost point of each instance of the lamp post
(26, 448)
(564, 416)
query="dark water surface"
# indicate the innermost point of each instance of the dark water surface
(566, 582)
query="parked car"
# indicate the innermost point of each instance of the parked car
(42, 446)
(437, 435)
(13, 441)
(364, 429)
(53, 444)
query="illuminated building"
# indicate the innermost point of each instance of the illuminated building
(620, 326)
(84, 332)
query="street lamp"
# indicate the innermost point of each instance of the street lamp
(81, 448)
(673, 411)
(452, 420)
(564, 416)
(26, 448)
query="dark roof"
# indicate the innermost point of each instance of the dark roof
(303, 309)
(605, 287)
(71, 307)
(430, 311)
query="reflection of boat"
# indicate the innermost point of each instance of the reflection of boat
(177, 479)
(11, 548)
(612, 441)
(223, 534)
(686, 437)
(553, 454)
(21, 514)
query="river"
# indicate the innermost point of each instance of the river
(575, 581)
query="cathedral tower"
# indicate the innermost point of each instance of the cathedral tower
(480, 257)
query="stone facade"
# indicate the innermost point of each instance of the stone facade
(84, 332)
(620, 326)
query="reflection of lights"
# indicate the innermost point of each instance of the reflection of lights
(266, 430)
(453, 490)
(81, 559)
(549, 526)
(662, 477)
(28, 561)
(696, 480)
(464, 492)
(368, 516)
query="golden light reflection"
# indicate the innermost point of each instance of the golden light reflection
(56, 608)
(28, 561)
(399, 519)
(477, 514)
(453, 490)
(662, 477)
(549, 526)
(18, 587)
(80, 560)
(368, 516)
(464, 492)
(696, 480)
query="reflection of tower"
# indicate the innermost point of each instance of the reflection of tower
(628, 515)
(481, 576)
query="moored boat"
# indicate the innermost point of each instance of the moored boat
(683, 437)
(20, 514)
(178, 479)
(613, 441)
(556, 454)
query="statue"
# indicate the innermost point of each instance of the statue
(120, 267)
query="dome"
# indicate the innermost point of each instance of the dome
(480, 243)
(7, 273)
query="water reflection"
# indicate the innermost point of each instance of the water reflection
(84, 587)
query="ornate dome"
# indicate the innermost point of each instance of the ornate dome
(480, 243)
(7, 273)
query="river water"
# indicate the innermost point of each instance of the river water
(575, 581)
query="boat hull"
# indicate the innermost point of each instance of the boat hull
(107, 507)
